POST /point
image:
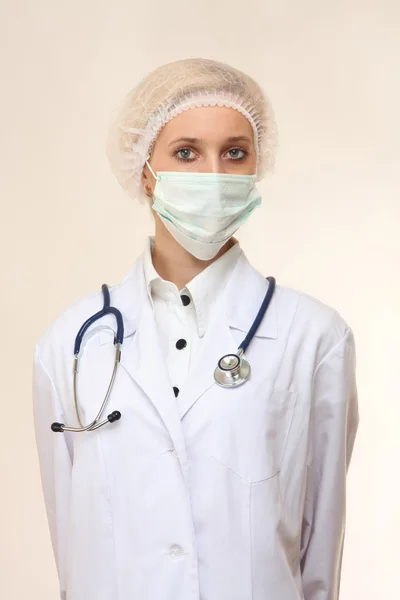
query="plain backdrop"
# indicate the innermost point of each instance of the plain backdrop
(329, 223)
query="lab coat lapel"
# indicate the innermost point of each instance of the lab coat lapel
(141, 355)
(236, 309)
(218, 340)
(145, 363)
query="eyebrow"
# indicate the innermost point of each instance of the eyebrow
(193, 140)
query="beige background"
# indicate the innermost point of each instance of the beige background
(329, 224)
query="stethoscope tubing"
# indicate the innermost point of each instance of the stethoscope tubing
(263, 308)
(226, 377)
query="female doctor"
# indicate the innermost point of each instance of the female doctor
(220, 473)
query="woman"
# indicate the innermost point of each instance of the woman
(199, 491)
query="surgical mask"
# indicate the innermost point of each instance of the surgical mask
(203, 210)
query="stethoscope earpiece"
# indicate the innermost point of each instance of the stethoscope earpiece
(60, 427)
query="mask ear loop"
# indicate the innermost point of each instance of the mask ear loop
(151, 170)
(151, 196)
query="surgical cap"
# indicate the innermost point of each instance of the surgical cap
(168, 91)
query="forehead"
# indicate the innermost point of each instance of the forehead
(207, 122)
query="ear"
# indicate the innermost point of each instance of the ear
(147, 182)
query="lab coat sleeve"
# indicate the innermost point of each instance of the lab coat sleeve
(55, 463)
(333, 427)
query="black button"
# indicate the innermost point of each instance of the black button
(180, 344)
(185, 300)
(176, 391)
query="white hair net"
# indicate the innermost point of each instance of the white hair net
(171, 89)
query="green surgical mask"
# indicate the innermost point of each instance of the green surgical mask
(203, 210)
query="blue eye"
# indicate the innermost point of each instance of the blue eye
(234, 153)
(184, 154)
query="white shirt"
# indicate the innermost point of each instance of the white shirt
(182, 316)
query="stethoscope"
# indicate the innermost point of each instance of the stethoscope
(232, 369)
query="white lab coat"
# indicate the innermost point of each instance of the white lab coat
(219, 494)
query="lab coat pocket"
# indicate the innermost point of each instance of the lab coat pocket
(252, 430)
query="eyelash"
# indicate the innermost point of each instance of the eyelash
(245, 154)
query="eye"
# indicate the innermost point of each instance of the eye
(237, 153)
(184, 154)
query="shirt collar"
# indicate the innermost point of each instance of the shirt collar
(203, 290)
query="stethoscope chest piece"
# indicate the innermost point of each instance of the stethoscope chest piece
(232, 370)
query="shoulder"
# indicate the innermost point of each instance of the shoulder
(56, 343)
(301, 319)
(311, 319)
(59, 337)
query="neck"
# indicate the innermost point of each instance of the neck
(173, 263)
